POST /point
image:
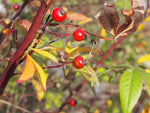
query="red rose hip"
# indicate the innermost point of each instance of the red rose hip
(59, 14)
(16, 7)
(73, 102)
(79, 35)
(78, 62)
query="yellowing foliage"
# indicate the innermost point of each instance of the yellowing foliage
(28, 71)
(144, 58)
(38, 88)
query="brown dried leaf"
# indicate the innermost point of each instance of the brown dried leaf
(138, 8)
(23, 24)
(78, 17)
(131, 23)
(108, 18)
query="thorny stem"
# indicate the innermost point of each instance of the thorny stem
(27, 40)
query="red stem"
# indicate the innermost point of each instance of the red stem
(57, 65)
(60, 35)
(108, 52)
(105, 38)
(27, 40)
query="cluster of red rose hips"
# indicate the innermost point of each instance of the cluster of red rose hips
(59, 15)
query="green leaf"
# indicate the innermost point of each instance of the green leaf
(146, 78)
(16, 1)
(46, 54)
(93, 74)
(130, 88)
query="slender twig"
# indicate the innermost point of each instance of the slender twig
(60, 35)
(16, 15)
(108, 52)
(77, 89)
(15, 106)
(6, 38)
(57, 65)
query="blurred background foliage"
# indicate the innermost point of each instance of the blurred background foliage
(27, 96)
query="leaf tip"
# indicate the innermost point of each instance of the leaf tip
(44, 89)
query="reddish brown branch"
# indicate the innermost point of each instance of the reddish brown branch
(27, 40)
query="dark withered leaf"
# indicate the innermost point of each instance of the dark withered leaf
(132, 23)
(108, 18)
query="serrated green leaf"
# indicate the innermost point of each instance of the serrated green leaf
(93, 74)
(46, 54)
(130, 88)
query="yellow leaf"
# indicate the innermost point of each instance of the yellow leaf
(50, 47)
(109, 102)
(147, 19)
(68, 47)
(81, 18)
(144, 58)
(97, 111)
(6, 31)
(41, 74)
(85, 21)
(46, 54)
(103, 32)
(40, 93)
(28, 71)
(84, 74)
(78, 50)
(141, 26)
(146, 110)
(93, 74)
(147, 71)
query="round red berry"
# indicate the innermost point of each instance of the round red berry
(73, 102)
(59, 14)
(16, 7)
(78, 62)
(79, 35)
